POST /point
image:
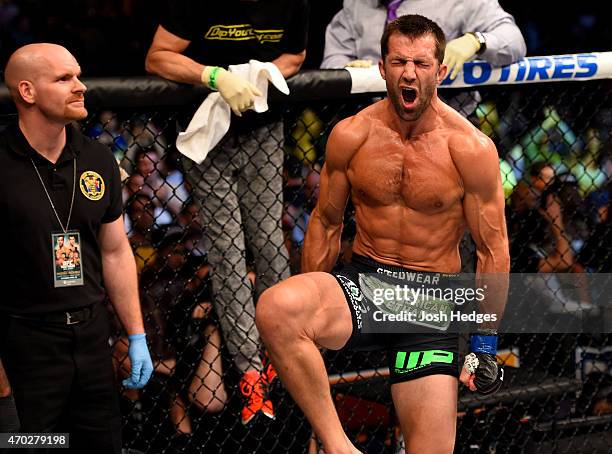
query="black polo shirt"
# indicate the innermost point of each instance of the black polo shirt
(26, 266)
(229, 32)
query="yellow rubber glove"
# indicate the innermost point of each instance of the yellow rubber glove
(458, 51)
(359, 64)
(237, 92)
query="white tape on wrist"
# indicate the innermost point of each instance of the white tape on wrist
(471, 363)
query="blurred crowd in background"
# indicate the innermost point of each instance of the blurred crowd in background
(556, 168)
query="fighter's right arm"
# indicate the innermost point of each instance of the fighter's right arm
(322, 242)
(165, 59)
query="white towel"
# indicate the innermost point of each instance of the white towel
(366, 80)
(212, 119)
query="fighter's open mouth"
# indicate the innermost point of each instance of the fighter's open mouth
(409, 95)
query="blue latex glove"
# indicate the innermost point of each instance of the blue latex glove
(142, 366)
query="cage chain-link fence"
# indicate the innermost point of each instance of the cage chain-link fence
(208, 239)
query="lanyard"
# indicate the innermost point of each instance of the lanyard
(49, 197)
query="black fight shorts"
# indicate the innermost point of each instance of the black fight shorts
(410, 356)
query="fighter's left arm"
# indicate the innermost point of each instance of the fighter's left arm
(119, 271)
(476, 159)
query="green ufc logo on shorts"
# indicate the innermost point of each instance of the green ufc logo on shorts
(417, 360)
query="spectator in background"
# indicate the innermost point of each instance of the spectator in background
(142, 134)
(189, 220)
(189, 217)
(106, 130)
(297, 213)
(151, 179)
(175, 301)
(587, 166)
(597, 201)
(311, 195)
(552, 140)
(536, 224)
(545, 231)
(573, 209)
(473, 28)
(239, 185)
(141, 214)
(596, 255)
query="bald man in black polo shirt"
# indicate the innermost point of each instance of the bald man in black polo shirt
(58, 186)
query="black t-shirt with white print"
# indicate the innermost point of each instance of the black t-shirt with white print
(229, 32)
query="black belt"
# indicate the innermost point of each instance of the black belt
(72, 317)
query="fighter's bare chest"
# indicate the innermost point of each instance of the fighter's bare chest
(420, 175)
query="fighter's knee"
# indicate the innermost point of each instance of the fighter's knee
(268, 307)
(278, 309)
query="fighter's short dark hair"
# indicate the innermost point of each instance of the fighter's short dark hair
(414, 26)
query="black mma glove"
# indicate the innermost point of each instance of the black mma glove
(482, 362)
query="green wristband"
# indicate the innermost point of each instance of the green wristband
(212, 79)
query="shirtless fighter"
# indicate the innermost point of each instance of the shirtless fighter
(418, 172)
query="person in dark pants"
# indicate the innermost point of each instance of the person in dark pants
(9, 420)
(55, 183)
(238, 187)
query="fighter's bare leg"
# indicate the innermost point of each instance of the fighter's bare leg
(427, 411)
(294, 318)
